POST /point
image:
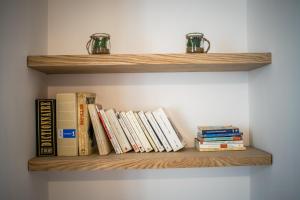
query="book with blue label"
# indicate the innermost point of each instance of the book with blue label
(67, 131)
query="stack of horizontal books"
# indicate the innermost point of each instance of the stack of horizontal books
(219, 138)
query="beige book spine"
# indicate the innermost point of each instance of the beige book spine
(103, 143)
(84, 123)
(66, 105)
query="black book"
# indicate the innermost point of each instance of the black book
(46, 127)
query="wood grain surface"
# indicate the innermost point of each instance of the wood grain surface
(187, 158)
(137, 63)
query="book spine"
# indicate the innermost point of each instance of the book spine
(46, 127)
(236, 138)
(145, 143)
(151, 131)
(177, 145)
(124, 143)
(146, 132)
(108, 130)
(131, 130)
(233, 130)
(126, 131)
(222, 149)
(101, 139)
(221, 142)
(220, 145)
(158, 132)
(220, 135)
(85, 135)
(67, 136)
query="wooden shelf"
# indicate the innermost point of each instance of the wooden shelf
(128, 63)
(187, 158)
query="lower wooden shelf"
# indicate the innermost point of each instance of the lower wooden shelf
(187, 158)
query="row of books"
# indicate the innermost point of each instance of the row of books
(72, 124)
(219, 138)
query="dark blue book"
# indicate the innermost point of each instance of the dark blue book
(220, 135)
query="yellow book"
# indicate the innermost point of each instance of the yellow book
(86, 139)
(66, 121)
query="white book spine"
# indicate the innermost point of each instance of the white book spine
(112, 137)
(151, 131)
(126, 131)
(158, 132)
(102, 140)
(139, 131)
(146, 132)
(131, 130)
(121, 137)
(165, 131)
(176, 143)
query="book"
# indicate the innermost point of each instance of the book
(67, 137)
(154, 137)
(127, 133)
(221, 142)
(222, 149)
(86, 141)
(104, 146)
(167, 129)
(146, 132)
(236, 138)
(107, 127)
(45, 127)
(158, 132)
(118, 131)
(132, 132)
(138, 130)
(215, 145)
(220, 135)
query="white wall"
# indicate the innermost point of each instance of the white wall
(144, 26)
(274, 97)
(23, 31)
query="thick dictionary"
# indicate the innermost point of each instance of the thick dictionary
(46, 127)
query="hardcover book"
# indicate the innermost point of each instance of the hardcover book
(46, 127)
(67, 138)
(86, 138)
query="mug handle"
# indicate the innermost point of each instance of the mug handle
(208, 44)
(88, 46)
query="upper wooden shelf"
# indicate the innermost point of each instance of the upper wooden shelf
(127, 63)
(187, 158)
